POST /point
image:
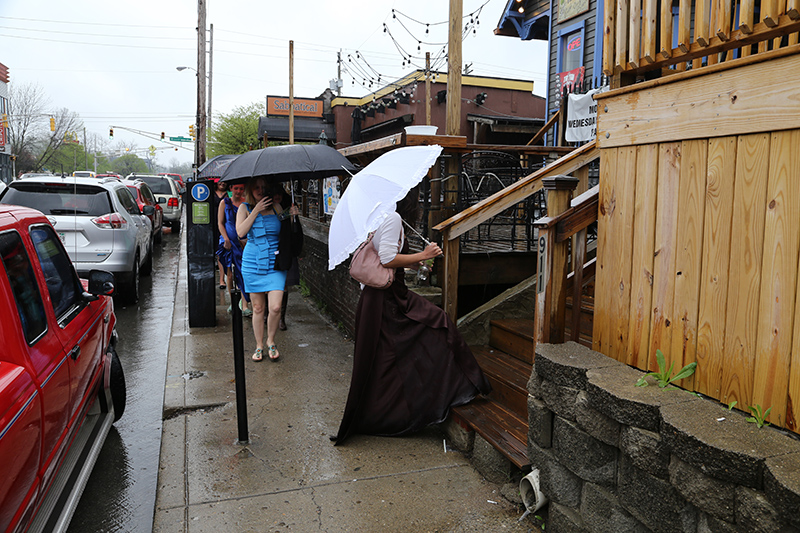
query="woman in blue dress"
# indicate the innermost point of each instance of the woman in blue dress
(258, 220)
(229, 246)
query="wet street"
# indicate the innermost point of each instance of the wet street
(121, 491)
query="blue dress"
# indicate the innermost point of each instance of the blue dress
(258, 258)
(232, 257)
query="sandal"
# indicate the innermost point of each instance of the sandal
(245, 312)
(259, 355)
(273, 353)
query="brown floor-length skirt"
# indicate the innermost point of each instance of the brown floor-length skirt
(410, 365)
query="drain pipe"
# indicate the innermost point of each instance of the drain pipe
(532, 496)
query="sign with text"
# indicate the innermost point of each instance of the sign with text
(571, 8)
(582, 117)
(570, 78)
(330, 194)
(303, 107)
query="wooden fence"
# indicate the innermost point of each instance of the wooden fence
(644, 35)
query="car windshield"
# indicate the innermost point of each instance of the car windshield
(59, 199)
(157, 185)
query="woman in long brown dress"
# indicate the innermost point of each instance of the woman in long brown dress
(410, 364)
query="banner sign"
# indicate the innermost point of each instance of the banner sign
(303, 107)
(570, 78)
(330, 194)
(582, 117)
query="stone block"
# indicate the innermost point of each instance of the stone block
(460, 436)
(601, 512)
(556, 482)
(587, 457)
(708, 524)
(564, 520)
(566, 364)
(492, 464)
(782, 486)
(653, 501)
(755, 514)
(535, 385)
(560, 400)
(613, 392)
(721, 443)
(646, 450)
(540, 423)
(713, 496)
(594, 422)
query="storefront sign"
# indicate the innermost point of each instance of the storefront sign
(570, 78)
(571, 8)
(582, 117)
(279, 106)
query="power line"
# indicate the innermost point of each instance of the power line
(105, 24)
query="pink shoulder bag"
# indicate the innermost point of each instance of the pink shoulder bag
(366, 267)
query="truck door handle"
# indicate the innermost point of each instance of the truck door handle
(75, 352)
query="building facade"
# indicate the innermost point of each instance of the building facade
(6, 163)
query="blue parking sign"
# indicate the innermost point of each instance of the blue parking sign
(200, 192)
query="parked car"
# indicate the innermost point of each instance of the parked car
(144, 196)
(61, 382)
(168, 196)
(177, 178)
(84, 174)
(97, 220)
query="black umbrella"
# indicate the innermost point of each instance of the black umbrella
(288, 162)
(215, 167)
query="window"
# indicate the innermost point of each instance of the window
(59, 198)
(23, 284)
(572, 51)
(59, 275)
(127, 201)
(158, 185)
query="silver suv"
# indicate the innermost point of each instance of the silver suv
(98, 221)
(168, 196)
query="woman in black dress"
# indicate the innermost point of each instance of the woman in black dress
(410, 364)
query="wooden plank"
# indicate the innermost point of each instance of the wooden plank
(701, 27)
(506, 432)
(579, 216)
(666, 29)
(621, 40)
(445, 141)
(642, 256)
(578, 260)
(662, 318)
(689, 257)
(649, 16)
(746, 14)
(722, 23)
(793, 9)
(450, 248)
(684, 25)
(744, 278)
(519, 191)
(685, 111)
(716, 257)
(544, 286)
(606, 241)
(634, 32)
(779, 275)
(609, 31)
(385, 143)
(549, 124)
(512, 343)
(770, 12)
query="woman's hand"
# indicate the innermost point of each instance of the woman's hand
(227, 244)
(431, 251)
(264, 204)
(293, 210)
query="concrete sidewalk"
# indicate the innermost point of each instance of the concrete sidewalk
(290, 477)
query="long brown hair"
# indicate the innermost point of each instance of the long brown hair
(408, 207)
(248, 190)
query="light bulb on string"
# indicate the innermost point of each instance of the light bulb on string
(427, 27)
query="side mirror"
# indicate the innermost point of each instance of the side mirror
(101, 282)
(148, 210)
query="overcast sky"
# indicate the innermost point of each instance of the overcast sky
(114, 62)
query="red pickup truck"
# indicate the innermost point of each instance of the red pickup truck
(61, 382)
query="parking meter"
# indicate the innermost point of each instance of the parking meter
(200, 248)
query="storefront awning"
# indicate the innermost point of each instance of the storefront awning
(305, 130)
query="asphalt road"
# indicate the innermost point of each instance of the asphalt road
(120, 495)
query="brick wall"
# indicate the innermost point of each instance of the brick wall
(335, 288)
(616, 457)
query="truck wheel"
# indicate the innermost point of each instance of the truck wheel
(117, 385)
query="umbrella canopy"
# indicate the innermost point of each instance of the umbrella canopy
(288, 162)
(215, 167)
(372, 194)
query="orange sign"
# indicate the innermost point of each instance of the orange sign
(303, 107)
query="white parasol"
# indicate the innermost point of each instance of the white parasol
(372, 194)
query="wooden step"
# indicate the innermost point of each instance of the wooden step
(513, 336)
(501, 428)
(508, 377)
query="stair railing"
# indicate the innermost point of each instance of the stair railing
(455, 226)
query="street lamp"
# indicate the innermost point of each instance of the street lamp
(208, 118)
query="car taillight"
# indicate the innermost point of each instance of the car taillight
(110, 221)
(172, 202)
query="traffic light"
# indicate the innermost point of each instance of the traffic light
(111, 133)
(52, 124)
(191, 130)
(162, 135)
(5, 120)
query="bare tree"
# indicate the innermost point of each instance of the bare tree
(67, 125)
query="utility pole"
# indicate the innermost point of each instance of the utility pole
(428, 88)
(339, 73)
(291, 92)
(200, 152)
(454, 69)
(210, 70)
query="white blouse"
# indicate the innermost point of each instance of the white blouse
(388, 238)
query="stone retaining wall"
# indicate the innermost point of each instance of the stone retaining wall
(614, 457)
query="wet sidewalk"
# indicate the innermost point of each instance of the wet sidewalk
(290, 477)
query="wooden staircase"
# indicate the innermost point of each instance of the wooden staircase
(502, 417)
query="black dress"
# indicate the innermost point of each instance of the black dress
(410, 365)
